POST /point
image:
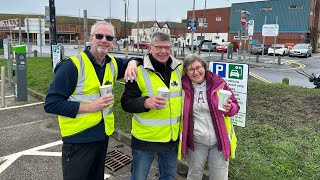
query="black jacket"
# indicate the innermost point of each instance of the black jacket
(131, 101)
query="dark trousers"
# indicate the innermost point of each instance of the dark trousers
(84, 161)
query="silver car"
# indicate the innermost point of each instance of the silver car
(301, 50)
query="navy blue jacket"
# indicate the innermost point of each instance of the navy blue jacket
(62, 87)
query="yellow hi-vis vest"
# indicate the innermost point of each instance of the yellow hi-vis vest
(87, 90)
(158, 125)
(231, 134)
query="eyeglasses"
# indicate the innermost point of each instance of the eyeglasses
(192, 70)
(100, 36)
(159, 48)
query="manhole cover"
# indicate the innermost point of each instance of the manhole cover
(116, 160)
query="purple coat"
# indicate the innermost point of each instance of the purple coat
(214, 83)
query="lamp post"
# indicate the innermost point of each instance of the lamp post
(110, 11)
(192, 26)
(243, 23)
(138, 27)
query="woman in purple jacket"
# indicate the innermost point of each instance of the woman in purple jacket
(204, 135)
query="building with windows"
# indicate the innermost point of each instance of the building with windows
(298, 21)
(70, 30)
(212, 24)
(147, 28)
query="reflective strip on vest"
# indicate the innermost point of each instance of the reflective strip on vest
(84, 98)
(70, 126)
(149, 84)
(107, 111)
(156, 122)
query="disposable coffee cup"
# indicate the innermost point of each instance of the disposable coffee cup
(105, 90)
(224, 95)
(164, 92)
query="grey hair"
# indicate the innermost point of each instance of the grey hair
(159, 36)
(98, 23)
(191, 58)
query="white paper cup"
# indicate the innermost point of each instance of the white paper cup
(105, 90)
(164, 92)
(224, 95)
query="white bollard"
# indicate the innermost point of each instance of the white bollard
(2, 86)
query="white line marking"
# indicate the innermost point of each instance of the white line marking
(43, 153)
(107, 176)
(9, 159)
(25, 105)
(25, 124)
(7, 163)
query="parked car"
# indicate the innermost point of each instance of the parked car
(257, 49)
(223, 47)
(301, 50)
(142, 45)
(279, 49)
(198, 43)
(208, 46)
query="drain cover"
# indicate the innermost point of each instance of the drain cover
(116, 160)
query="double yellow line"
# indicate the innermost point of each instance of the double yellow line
(259, 78)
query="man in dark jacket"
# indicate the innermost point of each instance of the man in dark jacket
(86, 119)
(156, 121)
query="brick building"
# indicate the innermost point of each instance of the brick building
(298, 20)
(216, 24)
(69, 29)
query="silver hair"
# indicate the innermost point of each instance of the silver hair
(105, 23)
(191, 58)
(160, 36)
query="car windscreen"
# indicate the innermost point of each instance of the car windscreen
(301, 46)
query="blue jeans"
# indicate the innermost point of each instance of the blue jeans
(142, 160)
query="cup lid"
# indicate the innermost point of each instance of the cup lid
(225, 91)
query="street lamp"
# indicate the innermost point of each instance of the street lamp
(192, 26)
(243, 22)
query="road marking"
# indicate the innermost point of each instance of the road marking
(25, 105)
(300, 65)
(259, 77)
(9, 159)
(25, 124)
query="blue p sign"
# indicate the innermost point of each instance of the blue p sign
(220, 69)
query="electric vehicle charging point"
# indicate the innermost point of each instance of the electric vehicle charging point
(20, 73)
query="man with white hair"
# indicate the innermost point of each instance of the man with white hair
(85, 117)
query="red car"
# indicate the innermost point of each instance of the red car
(142, 45)
(223, 47)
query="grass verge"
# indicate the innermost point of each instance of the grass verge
(281, 139)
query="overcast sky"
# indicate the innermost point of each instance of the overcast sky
(166, 10)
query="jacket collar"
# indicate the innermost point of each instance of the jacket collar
(148, 64)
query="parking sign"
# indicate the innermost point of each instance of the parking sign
(236, 76)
